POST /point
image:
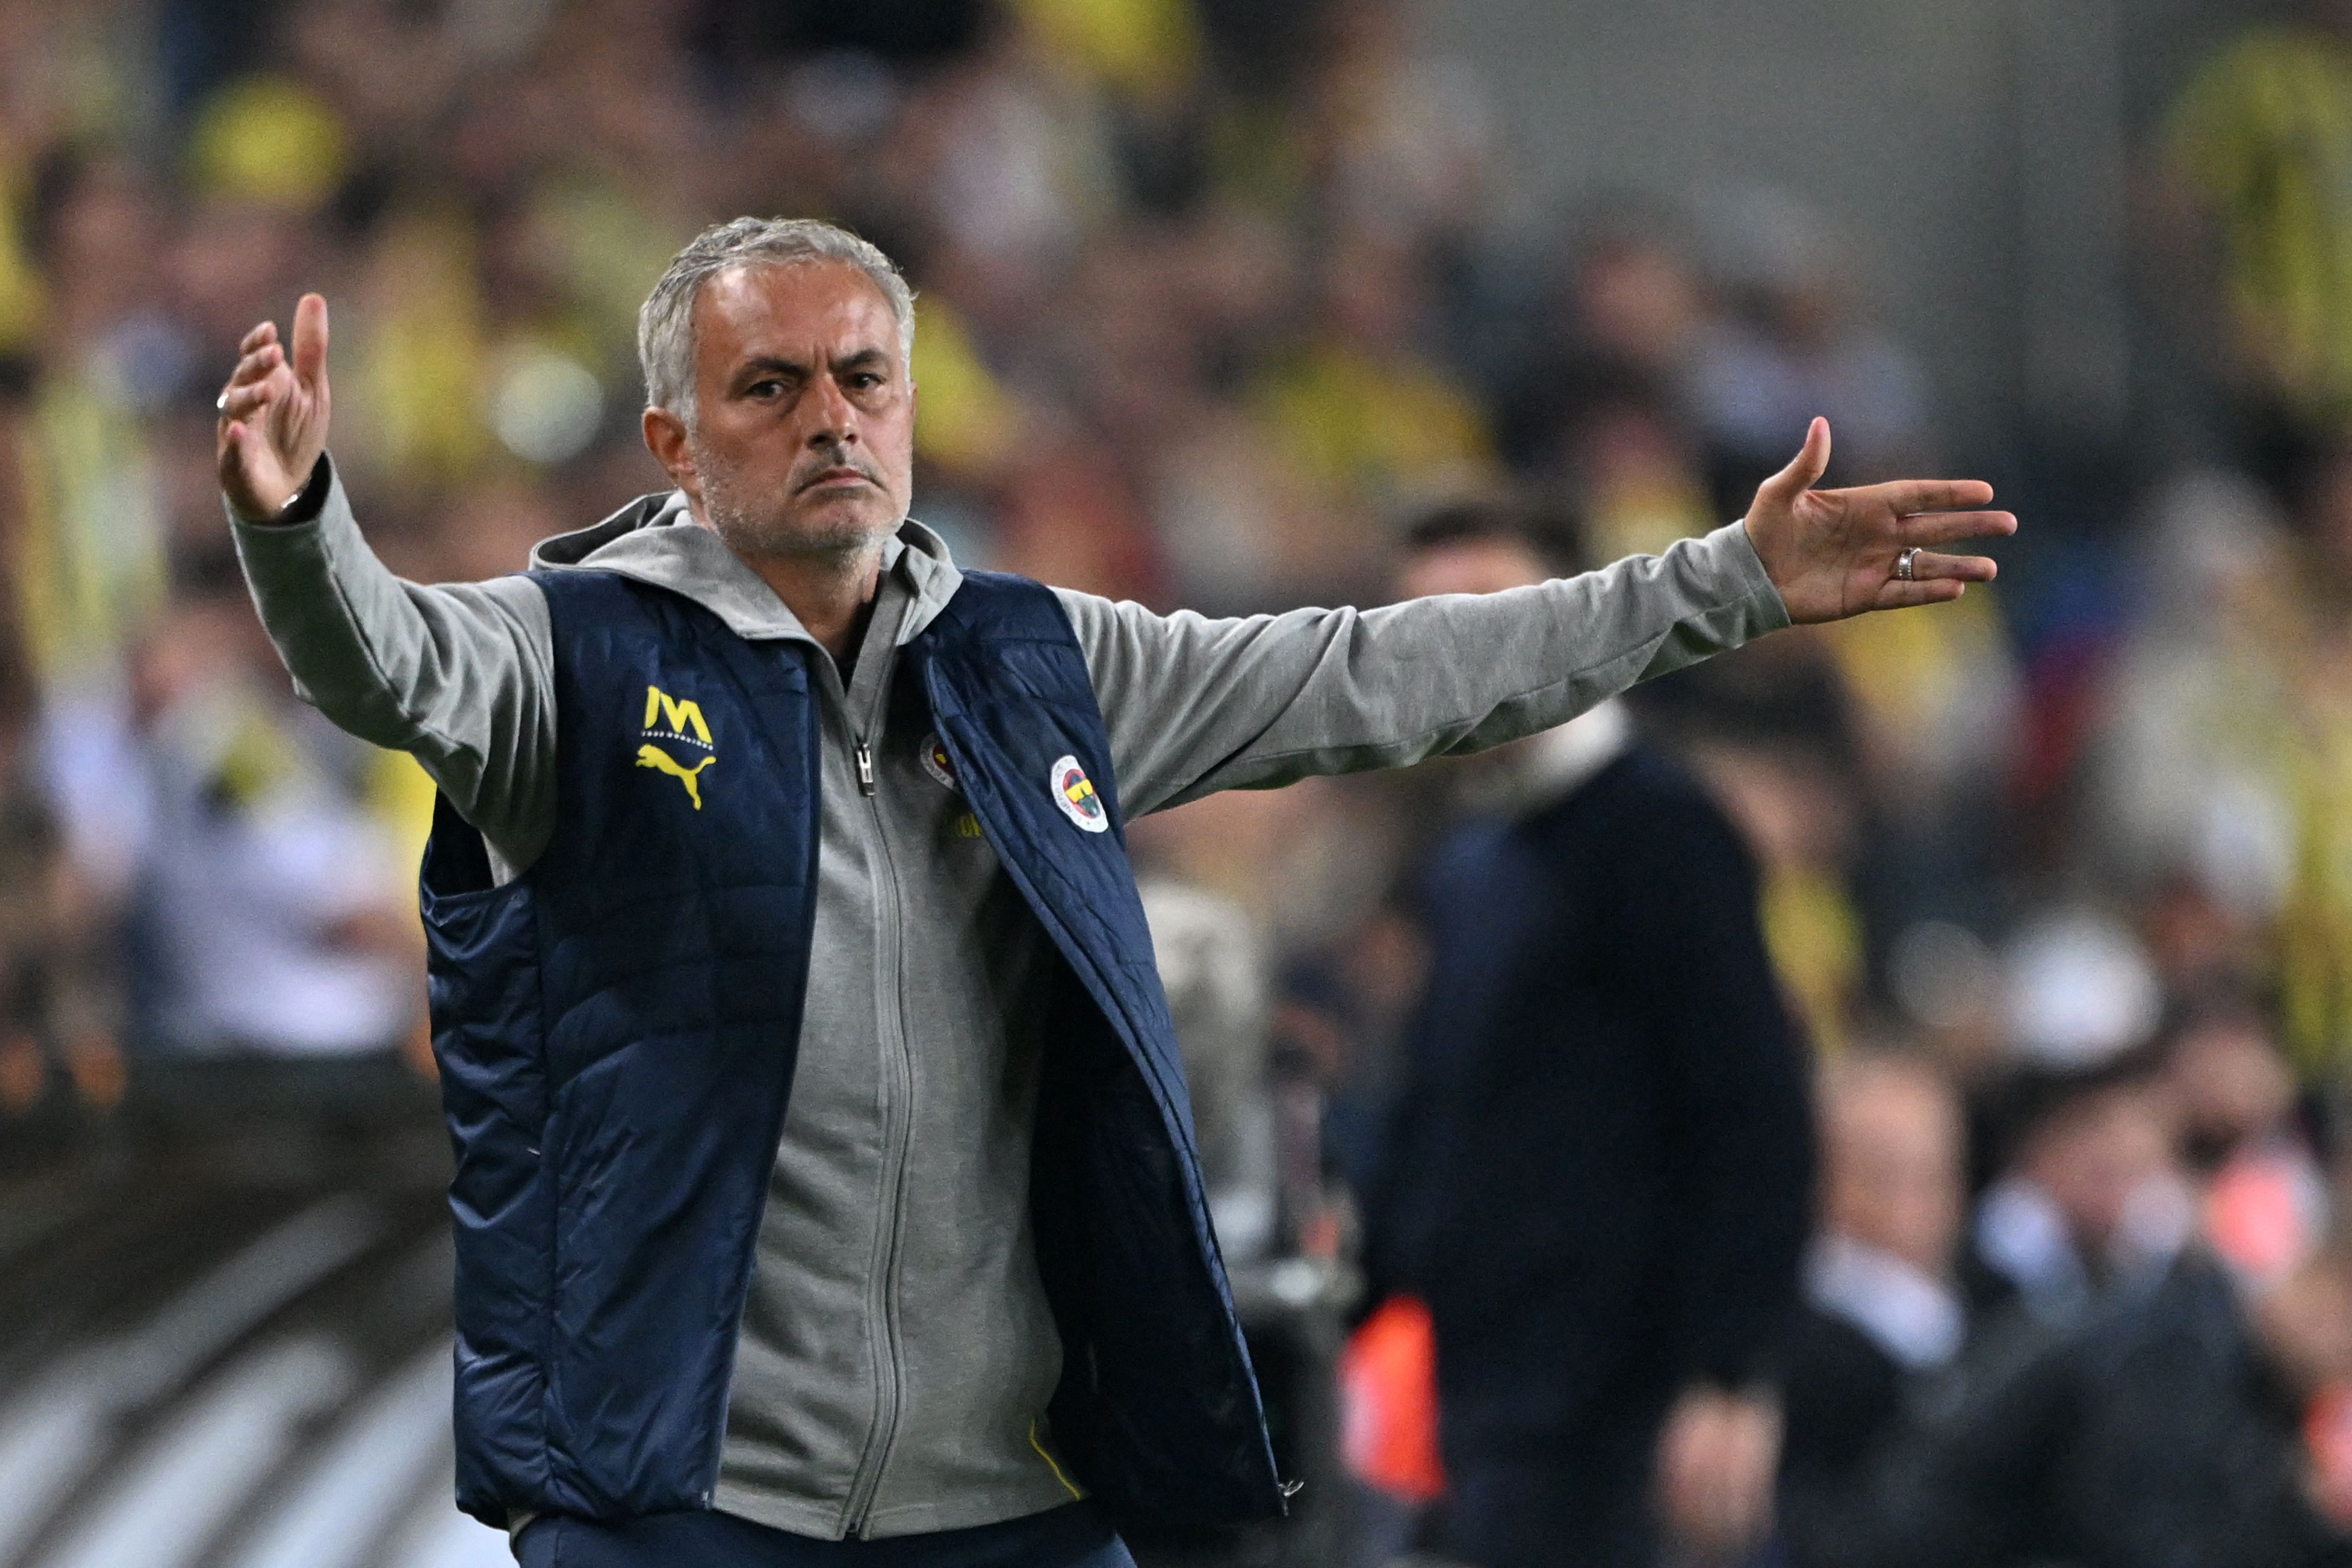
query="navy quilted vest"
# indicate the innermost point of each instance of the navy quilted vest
(618, 1028)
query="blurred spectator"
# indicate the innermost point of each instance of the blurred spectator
(2265, 1202)
(1628, 296)
(2232, 1088)
(1597, 406)
(1628, 453)
(2197, 772)
(2088, 1198)
(60, 1026)
(1400, 136)
(1773, 739)
(1597, 1178)
(2255, 202)
(271, 906)
(1882, 1314)
(1362, 411)
(2089, 1194)
(89, 564)
(2223, 758)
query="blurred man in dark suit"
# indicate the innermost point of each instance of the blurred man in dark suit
(1883, 1317)
(1599, 1171)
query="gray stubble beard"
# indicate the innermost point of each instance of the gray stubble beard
(750, 533)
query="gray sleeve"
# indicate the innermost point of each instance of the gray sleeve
(460, 676)
(1196, 705)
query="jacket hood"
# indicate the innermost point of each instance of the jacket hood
(655, 540)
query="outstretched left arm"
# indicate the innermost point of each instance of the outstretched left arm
(1196, 705)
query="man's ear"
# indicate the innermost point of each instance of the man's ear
(665, 439)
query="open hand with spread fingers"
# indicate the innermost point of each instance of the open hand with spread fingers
(273, 414)
(1834, 554)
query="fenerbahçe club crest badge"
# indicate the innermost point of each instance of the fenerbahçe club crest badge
(1075, 793)
(935, 762)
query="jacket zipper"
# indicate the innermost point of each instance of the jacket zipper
(867, 1480)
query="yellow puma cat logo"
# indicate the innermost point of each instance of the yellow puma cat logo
(655, 757)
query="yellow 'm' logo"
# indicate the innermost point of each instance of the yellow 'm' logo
(650, 756)
(684, 718)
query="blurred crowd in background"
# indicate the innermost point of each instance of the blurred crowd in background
(1210, 313)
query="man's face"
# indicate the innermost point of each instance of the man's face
(1891, 1167)
(2093, 1153)
(804, 432)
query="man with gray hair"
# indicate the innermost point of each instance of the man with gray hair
(825, 1187)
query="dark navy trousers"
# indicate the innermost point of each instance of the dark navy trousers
(1076, 1536)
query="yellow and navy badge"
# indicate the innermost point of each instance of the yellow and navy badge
(1075, 793)
(936, 764)
(677, 725)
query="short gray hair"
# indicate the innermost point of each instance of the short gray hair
(666, 321)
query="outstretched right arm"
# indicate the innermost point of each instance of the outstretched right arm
(460, 676)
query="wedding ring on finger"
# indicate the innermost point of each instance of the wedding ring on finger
(1906, 565)
(220, 404)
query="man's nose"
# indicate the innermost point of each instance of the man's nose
(833, 418)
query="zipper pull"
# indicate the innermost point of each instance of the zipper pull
(865, 768)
